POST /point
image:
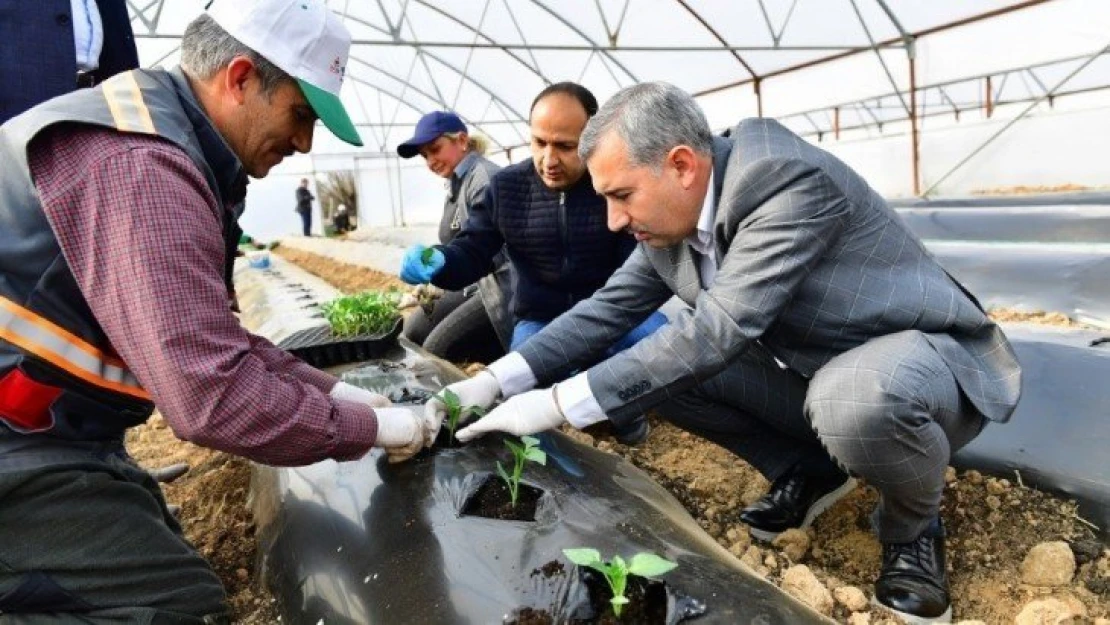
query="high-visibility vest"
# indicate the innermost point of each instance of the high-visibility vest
(59, 375)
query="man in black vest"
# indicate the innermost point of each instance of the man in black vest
(545, 214)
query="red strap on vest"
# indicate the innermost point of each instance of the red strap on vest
(25, 403)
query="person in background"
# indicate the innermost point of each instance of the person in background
(116, 203)
(53, 47)
(472, 323)
(304, 207)
(551, 224)
(821, 339)
(341, 221)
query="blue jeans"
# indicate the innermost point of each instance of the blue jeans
(525, 329)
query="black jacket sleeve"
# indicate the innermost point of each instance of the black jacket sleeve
(470, 255)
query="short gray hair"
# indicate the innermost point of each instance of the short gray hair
(206, 48)
(651, 119)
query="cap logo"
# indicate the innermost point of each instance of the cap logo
(337, 67)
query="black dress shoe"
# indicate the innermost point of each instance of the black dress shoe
(914, 583)
(632, 433)
(794, 500)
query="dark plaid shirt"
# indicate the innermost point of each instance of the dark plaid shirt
(141, 232)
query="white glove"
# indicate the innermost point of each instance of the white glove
(527, 413)
(479, 391)
(400, 432)
(350, 392)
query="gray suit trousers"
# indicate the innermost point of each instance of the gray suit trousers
(889, 411)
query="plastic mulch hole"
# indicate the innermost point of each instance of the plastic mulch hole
(491, 500)
(647, 600)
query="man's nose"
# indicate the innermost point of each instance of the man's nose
(618, 219)
(302, 141)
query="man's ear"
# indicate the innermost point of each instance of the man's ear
(683, 161)
(240, 71)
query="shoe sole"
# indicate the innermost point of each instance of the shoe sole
(913, 619)
(817, 508)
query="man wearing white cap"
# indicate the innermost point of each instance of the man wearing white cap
(116, 227)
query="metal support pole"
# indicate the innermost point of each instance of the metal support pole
(836, 123)
(758, 84)
(915, 139)
(990, 95)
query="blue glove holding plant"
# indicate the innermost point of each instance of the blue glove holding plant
(421, 264)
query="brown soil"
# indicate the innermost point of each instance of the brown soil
(991, 523)
(1007, 315)
(1032, 189)
(214, 514)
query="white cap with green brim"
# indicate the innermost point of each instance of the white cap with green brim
(305, 40)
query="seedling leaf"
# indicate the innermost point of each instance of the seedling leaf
(649, 565)
(583, 556)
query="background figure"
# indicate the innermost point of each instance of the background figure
(472, 323)
(52, 47)
(342, 220)
(304, 207)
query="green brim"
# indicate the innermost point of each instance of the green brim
(331, 112)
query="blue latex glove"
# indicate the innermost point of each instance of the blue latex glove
(413, 269)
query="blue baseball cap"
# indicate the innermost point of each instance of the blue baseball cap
(428, 129)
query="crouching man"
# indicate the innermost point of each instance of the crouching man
(821, 339)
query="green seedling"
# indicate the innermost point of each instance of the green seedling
(368, 313)
(456, 411)
(426, 255)
(616, 571)
(530, 450)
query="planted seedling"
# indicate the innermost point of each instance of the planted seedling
(456, 411)
(529, 450)
(616, 571)
(426, 255)
(368, 313)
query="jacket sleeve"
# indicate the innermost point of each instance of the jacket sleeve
(584, 333)
(470, 255)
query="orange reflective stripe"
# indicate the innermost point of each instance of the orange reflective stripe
(65, 350)
(48, 326)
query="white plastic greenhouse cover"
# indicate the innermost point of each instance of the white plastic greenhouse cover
(835, 71)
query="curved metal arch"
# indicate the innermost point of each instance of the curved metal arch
(535, 70)
(712, 31)
(586, 37)
(422, 92)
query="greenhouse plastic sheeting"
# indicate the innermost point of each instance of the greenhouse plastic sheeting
(1059, 435)
(1072, 279)
(1041, 224)
(373, 542)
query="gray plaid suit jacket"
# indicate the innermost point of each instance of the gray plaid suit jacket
(811, 263)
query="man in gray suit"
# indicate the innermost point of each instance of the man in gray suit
(821, 337)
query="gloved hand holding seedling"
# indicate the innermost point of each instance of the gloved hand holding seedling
(521, 453)
(420, 264)
(456, 411)
(616, 571)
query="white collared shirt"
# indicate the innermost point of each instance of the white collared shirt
(88, 33)
(702, 242)
(577, 401)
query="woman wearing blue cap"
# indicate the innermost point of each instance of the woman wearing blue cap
(460, 325)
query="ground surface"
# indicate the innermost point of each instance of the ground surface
(992, 523)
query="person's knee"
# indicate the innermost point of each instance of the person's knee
(858, 403)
